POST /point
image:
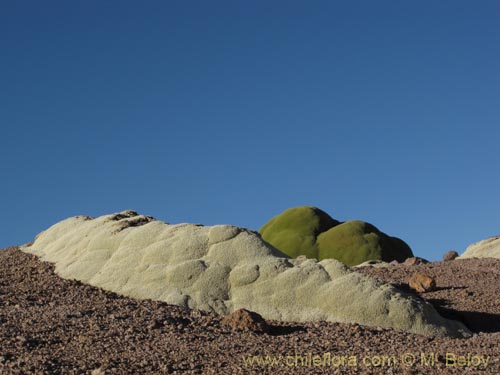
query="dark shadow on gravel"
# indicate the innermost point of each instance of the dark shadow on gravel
(476, 321)
(284, 330)
(406, 288)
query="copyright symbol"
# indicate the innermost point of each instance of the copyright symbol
(408, 359)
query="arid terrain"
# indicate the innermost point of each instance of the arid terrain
(49, 325)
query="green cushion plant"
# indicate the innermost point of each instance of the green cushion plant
(311, 232)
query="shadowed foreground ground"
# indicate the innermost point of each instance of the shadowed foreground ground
(49, 325)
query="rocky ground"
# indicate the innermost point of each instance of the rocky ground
(49, 325)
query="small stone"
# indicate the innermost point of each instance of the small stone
(98, 371)
(422, 283)
(246, 321)
(450, 255)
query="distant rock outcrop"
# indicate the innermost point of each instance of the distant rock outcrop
(488, 248)
(415, 261)
(312, 232)
(450, 255)
(225, 268)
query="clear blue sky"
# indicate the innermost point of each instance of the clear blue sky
(231, 111)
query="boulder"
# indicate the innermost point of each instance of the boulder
(245, 320)
(422, 283)
(225, 268)
(488, 248)
(313, 233)
(450, 255)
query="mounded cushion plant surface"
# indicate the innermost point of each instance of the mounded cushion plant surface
(312, 232)
(224, 268)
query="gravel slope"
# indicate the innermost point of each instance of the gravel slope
(49, 325)
(466, 289)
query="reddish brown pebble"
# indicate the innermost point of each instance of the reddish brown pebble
(422, 283)
(246, 321)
